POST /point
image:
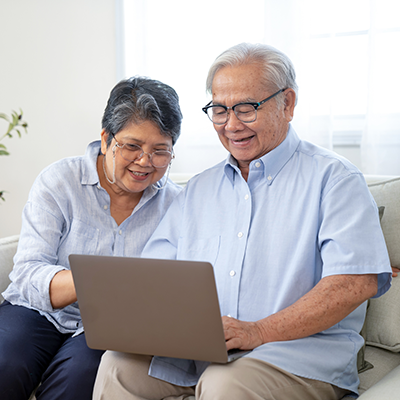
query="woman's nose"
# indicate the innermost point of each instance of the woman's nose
(144, 159)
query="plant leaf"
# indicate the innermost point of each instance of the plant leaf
(15, 118)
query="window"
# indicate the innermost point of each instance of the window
(345, 53)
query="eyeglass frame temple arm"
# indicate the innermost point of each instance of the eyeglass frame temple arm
(255, 105)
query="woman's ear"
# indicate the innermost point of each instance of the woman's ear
(104, 137)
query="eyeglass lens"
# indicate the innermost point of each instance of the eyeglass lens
(132, 152)
(244, 112)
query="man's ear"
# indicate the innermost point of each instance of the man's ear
(290, 103)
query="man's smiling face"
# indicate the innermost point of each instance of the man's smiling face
(249, 141)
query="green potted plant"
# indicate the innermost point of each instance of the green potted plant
(15, 123)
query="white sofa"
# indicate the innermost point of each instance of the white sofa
(382, 325)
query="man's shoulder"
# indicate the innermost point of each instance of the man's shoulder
(325, 159)
(208, 177)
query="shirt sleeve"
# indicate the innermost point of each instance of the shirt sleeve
(36, 259)
(164, 241)
(350, 235)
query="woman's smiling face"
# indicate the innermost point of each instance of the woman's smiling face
(135, 176)
(249, 141)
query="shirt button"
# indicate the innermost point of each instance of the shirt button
(258, 165)
(229, 315)
(246, 197)
(105, 207)
(232, 273)
(120, 232)
(269, 177)
(240, 234)
(98, 186)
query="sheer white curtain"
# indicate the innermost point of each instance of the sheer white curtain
(381, 136)
(350, 76)
(345, 53)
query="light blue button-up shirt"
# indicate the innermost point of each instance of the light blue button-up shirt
(69, 212)
(304, 213)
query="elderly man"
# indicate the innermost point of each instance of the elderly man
(294, 237)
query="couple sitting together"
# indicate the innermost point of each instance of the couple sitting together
(290, 228)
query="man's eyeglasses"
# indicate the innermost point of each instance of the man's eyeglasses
(245, 112)
(133, 152)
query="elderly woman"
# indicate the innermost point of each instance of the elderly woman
(107, 202)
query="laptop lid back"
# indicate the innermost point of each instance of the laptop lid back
(150, 306)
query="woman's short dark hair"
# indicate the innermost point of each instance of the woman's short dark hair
(139, 99)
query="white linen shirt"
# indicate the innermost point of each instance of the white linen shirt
(304, 213)
(69, 212)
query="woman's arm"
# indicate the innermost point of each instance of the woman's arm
(62, 289)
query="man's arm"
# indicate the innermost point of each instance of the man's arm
(331, 300)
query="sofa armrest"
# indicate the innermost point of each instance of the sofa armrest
(388, 388)
(8, 248)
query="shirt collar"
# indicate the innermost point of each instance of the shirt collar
(89, 166)
(272, 162)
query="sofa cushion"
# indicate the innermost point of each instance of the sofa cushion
(383, 316)
(383, 319)
(386, 192)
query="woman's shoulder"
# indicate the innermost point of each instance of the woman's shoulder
(73, 164)
(73, 169)
(62, 170)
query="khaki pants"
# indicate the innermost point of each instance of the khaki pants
(125, 376)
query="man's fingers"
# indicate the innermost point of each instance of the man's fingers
(233, 343)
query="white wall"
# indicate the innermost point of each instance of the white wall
(57, 63)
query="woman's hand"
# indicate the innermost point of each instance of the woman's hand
(395, 271)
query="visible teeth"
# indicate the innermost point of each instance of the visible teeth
(139, 173)
(243, 140)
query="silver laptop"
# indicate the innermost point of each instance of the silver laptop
(157, 307)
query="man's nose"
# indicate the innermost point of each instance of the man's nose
(233, 124)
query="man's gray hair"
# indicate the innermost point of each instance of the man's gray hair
(279, 72)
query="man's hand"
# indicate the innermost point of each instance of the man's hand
(240, 334)
(395, 271)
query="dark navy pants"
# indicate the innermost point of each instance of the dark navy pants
(33, 351)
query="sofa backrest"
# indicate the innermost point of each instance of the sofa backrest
(8, 247)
